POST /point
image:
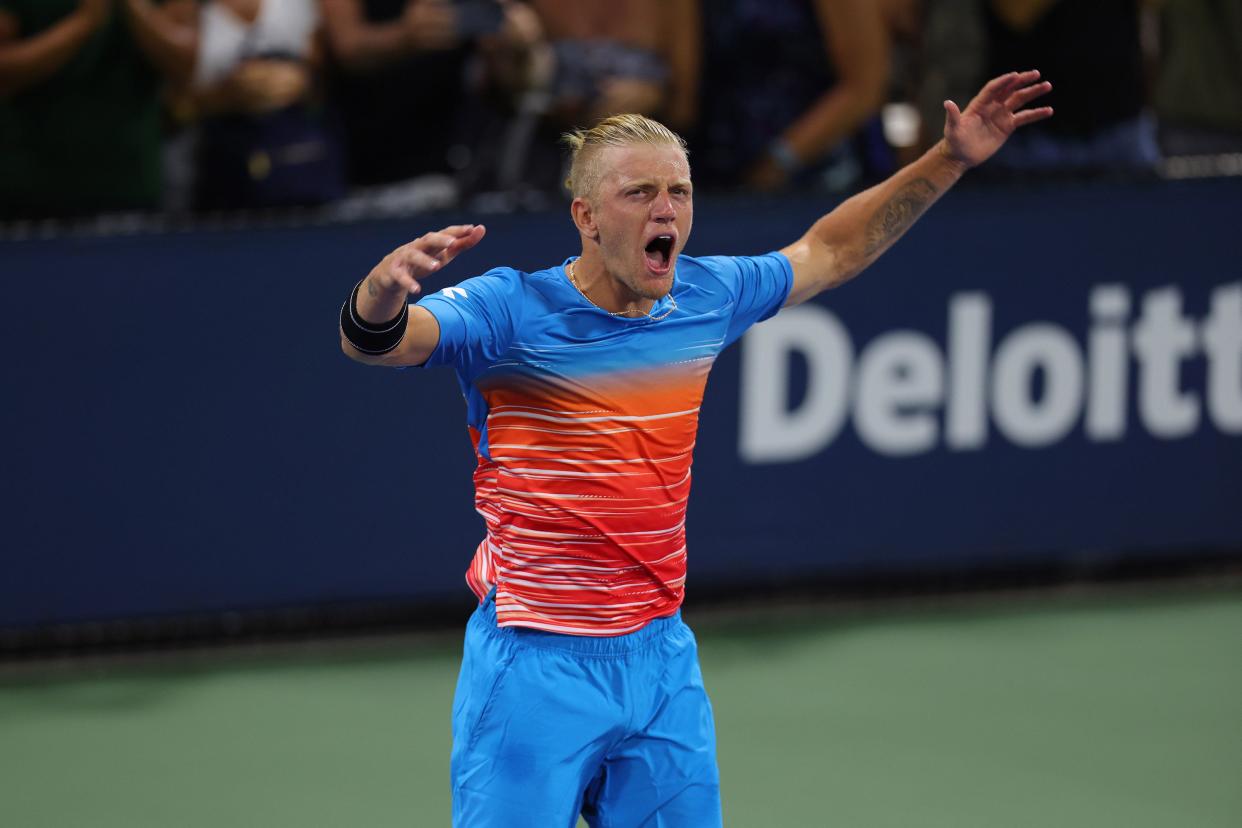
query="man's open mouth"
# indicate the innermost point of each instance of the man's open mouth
(659, 253)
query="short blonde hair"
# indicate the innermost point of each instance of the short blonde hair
(614, 131)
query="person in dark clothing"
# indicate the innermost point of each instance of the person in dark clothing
(787, 81)
(398, 77)
(79, 111)
(1198, 93)
(1101, 123)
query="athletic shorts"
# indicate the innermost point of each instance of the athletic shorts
(549, 726)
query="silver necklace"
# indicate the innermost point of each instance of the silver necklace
(569, 271)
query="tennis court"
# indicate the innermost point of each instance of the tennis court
(1107, 709)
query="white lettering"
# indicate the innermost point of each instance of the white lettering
(1019, 416)
(970, 337)
(1035, 386)
(900, 377)
(1222, 341)
(769, 432)
(1162, 339)
(1108, 362)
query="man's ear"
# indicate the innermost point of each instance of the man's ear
(584, 218)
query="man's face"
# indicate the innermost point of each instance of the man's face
(643, 209)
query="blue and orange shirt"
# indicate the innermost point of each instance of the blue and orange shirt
(584, 426)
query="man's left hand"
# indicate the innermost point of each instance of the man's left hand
(971, 137)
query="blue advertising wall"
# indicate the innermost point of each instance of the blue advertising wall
(1037, 376)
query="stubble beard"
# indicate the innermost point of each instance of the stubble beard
(647, 292)
(643, 287)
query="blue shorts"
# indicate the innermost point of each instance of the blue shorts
(548, 726)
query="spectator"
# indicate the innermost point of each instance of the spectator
(615, 56)
(1198, 95)
(1091, 53)
(907, 22)
(598, 58)
(79, 110)
(399, 77)
(787, 83)
(952, 56)
(263, 140)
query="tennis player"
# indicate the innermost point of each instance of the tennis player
(580, 690)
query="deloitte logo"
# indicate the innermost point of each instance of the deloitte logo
(906, 393)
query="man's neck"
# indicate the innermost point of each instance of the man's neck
(604, 290)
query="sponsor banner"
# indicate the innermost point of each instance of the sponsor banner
(906, 394)
(1047, 376)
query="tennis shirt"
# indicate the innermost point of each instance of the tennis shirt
(584, 426)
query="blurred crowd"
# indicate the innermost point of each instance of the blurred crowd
(201, 105)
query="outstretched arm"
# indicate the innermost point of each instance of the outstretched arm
(843, 243)
(390, 284)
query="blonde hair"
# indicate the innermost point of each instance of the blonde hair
(585, 145)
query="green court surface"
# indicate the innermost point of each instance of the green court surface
(1104, 710)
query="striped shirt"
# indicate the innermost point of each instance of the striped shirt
(584, 426)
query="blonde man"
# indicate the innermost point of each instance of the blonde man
(580, 690)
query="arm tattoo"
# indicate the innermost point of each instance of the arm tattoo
(895, 217)
(372, 290)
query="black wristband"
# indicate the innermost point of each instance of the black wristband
(369, 337)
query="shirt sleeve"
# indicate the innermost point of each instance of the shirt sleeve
(758, 286)
(477, 318)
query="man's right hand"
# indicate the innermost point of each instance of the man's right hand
(402, 269)
(386, 289)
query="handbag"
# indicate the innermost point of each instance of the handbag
(286, 158)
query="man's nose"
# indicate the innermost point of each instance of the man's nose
(662, 207)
